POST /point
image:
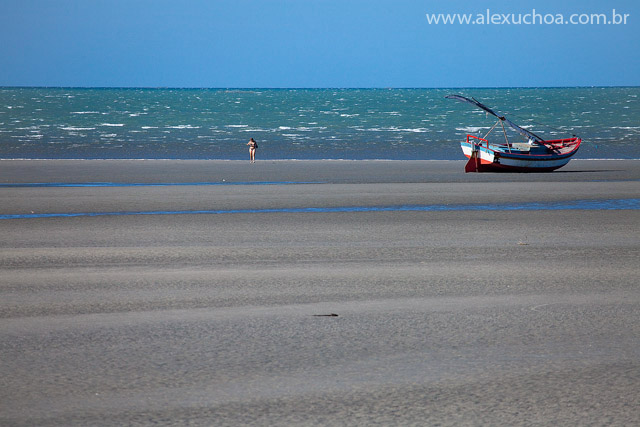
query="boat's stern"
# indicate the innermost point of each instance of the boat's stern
(479, 154)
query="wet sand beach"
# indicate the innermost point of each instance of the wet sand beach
(318, 293)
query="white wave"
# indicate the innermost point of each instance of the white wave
(182, 127)
(284, 128)
(149, 127)
(306, 128)
(237, 126)
(27, 136)
(392, 129)
(472, 129)
(111, 124)
(633, 128)
(75, 128)
(414, 130)
(85, 112)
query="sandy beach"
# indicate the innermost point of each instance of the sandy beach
(317, 293)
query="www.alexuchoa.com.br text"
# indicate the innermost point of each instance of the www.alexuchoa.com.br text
(531, 18)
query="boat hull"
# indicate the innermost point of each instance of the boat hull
(501, 158)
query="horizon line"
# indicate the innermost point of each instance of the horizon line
(231, 88)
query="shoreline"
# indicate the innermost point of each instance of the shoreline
(326, 171)
(26, 159)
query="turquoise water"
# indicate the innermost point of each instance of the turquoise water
(54, 123)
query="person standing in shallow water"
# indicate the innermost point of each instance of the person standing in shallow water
(253, 146)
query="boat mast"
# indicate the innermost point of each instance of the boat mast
(505, 135)
(492, 128)
(503, 131)
(528, 134)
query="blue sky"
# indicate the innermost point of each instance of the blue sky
(311, 43)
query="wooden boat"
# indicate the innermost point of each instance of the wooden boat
(534, 155)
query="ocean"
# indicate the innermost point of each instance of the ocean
(395, 124)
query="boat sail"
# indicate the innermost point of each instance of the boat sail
(534, 155)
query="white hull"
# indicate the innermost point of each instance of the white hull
(490, 159)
